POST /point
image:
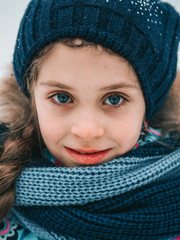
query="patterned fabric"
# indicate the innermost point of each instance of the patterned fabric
(148, 134)
(12, 231)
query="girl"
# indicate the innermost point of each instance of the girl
(79, 159)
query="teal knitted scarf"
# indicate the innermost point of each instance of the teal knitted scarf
(136, 196)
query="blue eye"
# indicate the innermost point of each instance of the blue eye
(114, 99)
(61, 98)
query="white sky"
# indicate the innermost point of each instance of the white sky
(11, 12)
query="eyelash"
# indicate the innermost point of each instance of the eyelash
(56, 102)
(117, 106)
(124, 100)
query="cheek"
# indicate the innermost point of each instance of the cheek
(52, 124)
(126, 130)
(52, 130)
(52, 127)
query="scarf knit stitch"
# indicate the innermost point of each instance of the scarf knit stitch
(136, 196)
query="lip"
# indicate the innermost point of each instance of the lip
(87, 156)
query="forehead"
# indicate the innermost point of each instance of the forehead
(61, 64)
(79, 48)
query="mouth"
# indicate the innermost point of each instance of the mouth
(87, 157)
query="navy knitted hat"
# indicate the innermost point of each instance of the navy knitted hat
(145, 32)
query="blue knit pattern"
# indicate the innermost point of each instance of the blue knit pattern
(134, 197)
(146, 33)
(149, 213)
(54, 186)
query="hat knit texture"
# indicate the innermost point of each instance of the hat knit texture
(145, 32)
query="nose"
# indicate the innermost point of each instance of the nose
(87, 127)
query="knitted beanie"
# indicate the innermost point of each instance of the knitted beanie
(145, 32)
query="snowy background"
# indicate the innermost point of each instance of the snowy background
(11, 12)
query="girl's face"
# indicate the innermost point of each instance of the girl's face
(90, 105)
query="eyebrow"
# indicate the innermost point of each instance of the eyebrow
(56, 84)
(119, 85)
(107, 88)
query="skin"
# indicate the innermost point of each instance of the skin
(90, 118)
(176, 84)
(176, 91)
